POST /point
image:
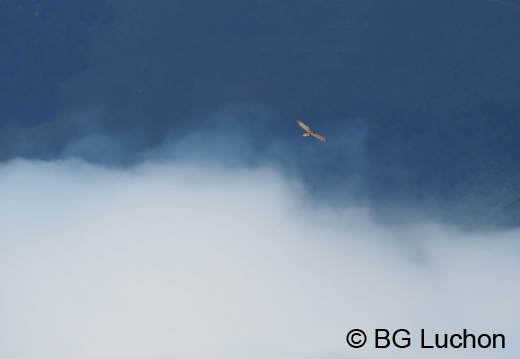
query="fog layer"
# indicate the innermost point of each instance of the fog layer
(171, 259)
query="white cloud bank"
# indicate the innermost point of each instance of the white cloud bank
(178, 261)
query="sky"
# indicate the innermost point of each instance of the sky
(419, 115)
(158, 199)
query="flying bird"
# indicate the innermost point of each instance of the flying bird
(310, 132)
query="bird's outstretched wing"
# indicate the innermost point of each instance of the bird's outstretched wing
(310, 132)
(318, 136)
(304, 126)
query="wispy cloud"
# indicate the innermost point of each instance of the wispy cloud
(206, 261)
